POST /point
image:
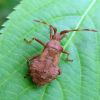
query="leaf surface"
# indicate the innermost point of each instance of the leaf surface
(80, 80)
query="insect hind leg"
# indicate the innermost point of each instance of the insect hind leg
(68, 59)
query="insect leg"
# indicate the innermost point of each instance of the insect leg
(30, 41)
(68, 59)
(29, 59)
(27, 75)
(28, 72)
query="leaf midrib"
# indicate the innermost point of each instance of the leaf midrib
(80, 21)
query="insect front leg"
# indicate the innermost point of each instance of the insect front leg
(68, 59)
(31, 58)
(30, 41)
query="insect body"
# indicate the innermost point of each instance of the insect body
(44, 67)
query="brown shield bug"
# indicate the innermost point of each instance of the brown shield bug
(44, 67)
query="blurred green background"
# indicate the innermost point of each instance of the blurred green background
(6, 7)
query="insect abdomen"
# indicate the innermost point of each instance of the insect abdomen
(43, 72)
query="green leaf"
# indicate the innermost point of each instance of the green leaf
(80, 80)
